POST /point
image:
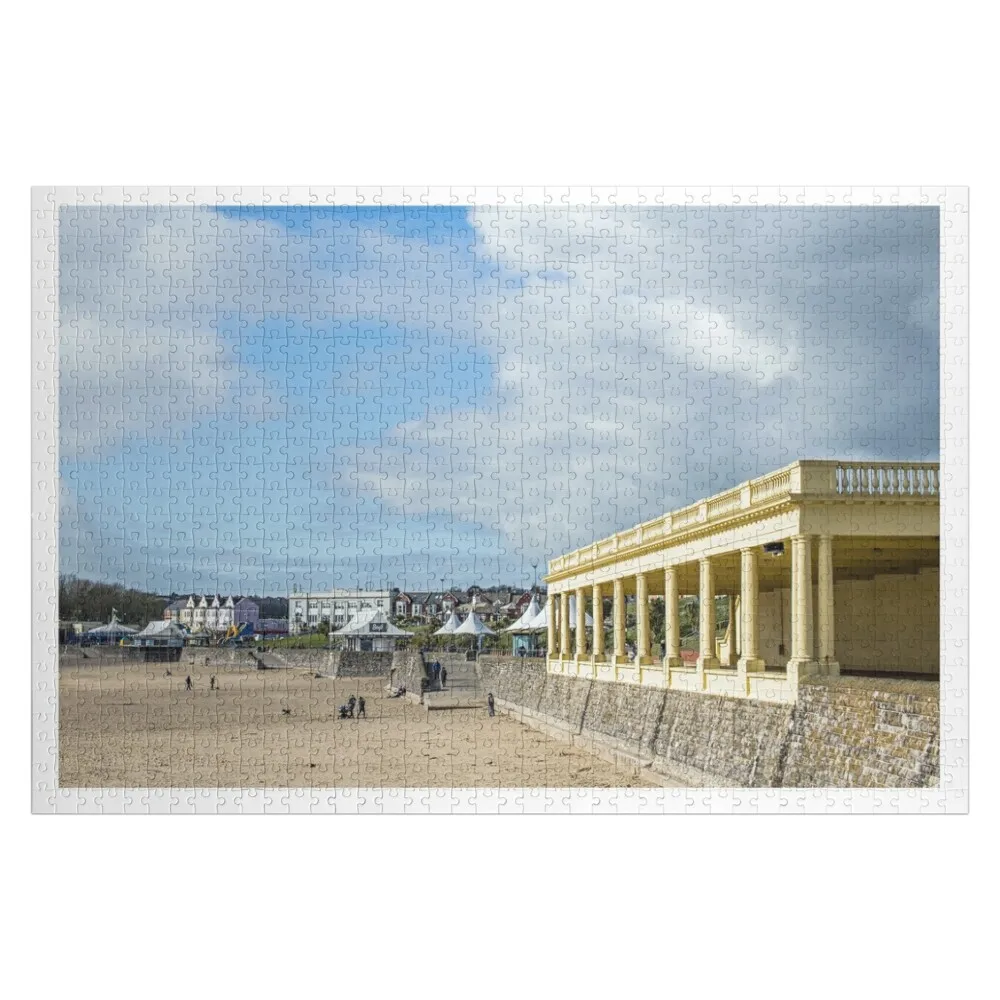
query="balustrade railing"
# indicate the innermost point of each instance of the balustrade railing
(769, 486)
(720, 505)
(902, 479)
(846, 479)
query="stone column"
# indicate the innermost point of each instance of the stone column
(642, 619)
(672, 622)
(802, 663)
(598, 612)
(619, 620)
(824, 610)
(564, 624)
(551, 624)
(707, 659)
(737, 612)
(581, 624)
(749, 660)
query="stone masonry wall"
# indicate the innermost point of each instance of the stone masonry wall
(352, 663)
(407, 669)
(407, 666)
(848, 732)
(857, 731)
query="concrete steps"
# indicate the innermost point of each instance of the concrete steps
(435, 700)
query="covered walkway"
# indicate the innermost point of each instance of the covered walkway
(823, 564)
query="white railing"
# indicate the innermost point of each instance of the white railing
(902, 479)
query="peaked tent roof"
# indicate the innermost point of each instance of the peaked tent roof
(163, 629)
(114, 627)
(524, 622)
(473, 625)
(542, 621)
(450, 625)
(359, 624)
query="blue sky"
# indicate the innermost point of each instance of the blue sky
(256, 397)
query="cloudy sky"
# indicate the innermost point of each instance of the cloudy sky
(252, 398)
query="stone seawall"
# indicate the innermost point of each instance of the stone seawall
(849, 732)
(407, 669)
(861, 731)
(406, 666)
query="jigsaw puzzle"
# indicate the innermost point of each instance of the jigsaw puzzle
(509, 500)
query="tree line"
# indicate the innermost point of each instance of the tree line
(90, 601)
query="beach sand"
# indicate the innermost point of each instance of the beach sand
(134, 726)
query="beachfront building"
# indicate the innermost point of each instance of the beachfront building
(369, 631)
(159, 642)
(826, 567)
(524, 632)
(338, 607)
(212, 613)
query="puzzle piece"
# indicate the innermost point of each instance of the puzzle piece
(590, 500)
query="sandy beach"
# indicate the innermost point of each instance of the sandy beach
(135, 726)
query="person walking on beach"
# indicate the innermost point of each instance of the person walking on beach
(187, 683)
(361, 707)
(490, 704)
(211, 683)
(444, 675)
(351, 702)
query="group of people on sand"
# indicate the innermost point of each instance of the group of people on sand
(347, 711)
(213, 684)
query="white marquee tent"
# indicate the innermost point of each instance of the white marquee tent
(111, 632)
(523, 624)
(450, 625)
(474, 625)
(541, 622)
(371, 631)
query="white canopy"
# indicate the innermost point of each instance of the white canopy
(473, 625)
(161, 630)
(450, 625)
(371, 621)
(542, 621)
(523, 624)
(114, 627)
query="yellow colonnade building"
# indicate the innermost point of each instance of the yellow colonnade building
(826, 565)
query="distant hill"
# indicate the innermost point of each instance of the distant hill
(271, 607)
(90, 601)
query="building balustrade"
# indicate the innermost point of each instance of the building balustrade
(846, 481)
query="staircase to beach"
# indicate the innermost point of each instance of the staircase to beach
(463, 689)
